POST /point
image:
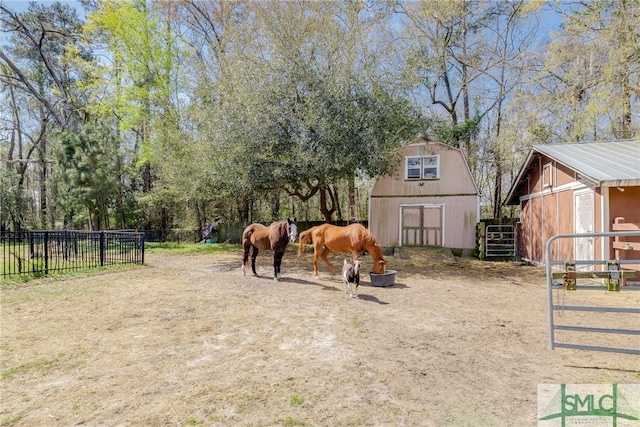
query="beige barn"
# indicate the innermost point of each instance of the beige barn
(431, 200)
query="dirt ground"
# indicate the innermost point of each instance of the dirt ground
(188, 340)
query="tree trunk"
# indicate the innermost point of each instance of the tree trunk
(324, 207)
(42, 159)
(497, 191)
(275, 204)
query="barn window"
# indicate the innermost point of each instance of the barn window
(422, 167)
(547, 177)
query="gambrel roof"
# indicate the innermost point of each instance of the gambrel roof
(605, 164)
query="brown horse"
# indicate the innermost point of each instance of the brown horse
(353, 238)
(275, 237)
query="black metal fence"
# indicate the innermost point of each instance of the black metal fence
(38, 253)
(227, 232)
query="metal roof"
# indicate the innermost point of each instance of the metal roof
(605, 164)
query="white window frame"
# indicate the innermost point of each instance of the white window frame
(422, 165)
(547, 175)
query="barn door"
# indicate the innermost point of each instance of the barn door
(584, 223)
(421, 225)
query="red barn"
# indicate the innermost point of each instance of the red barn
(578, 188)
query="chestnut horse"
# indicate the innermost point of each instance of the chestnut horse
(275, 237)
(354, 239)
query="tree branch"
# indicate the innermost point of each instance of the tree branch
(23, 79)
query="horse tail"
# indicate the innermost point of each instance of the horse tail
(246, 234)
(304, 238)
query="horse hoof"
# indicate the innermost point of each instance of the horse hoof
(276, 279)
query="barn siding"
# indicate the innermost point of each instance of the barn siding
(546, 212)
(565, 224)
(625, 204)
(550, 220)
(455, 179)
(598, 218)
(460, 219)
(384, 222)
(537, 229)
(563, 175)
(525, 230)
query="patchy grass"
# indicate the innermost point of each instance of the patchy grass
(150, 247)
(189, 248)
(12, 420)
(15, 282)
(296, 400)
(290, 421)
(42, 365)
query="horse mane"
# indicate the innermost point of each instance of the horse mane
(371, 243)
(282, 228)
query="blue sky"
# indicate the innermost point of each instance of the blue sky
(22, 5)
(549, 20)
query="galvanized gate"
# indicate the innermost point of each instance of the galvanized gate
(608, 280)
(500, 242)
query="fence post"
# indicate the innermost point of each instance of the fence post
(142, 246)
(102, 248)
(32, 251)
(46, 252)
(481, 228)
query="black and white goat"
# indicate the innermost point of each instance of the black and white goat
(351, 274)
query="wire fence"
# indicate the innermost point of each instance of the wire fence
(39, 253)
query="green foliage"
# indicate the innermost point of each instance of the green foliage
(329, 138)
(240, 107)
(588, 79)
(455, 135)
(90, 174)
(140, 53)
(142, 80)
(12, 203)
(310, 118)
